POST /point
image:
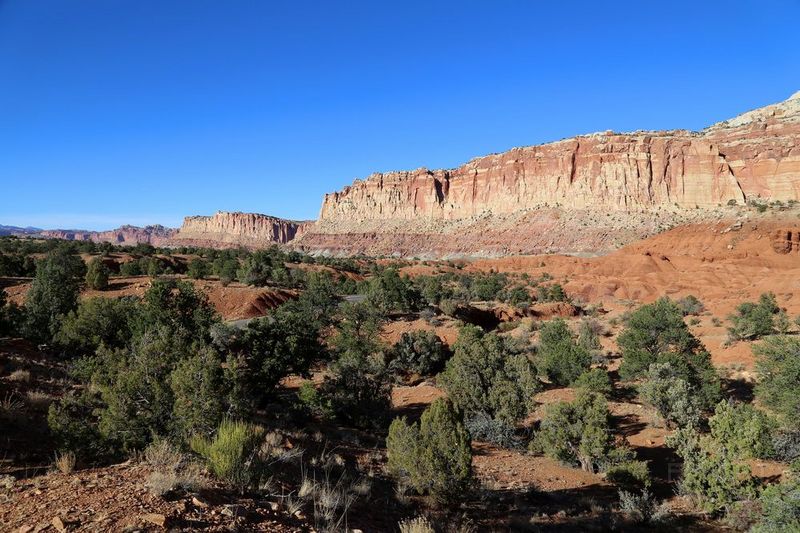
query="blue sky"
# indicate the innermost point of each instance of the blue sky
(144, 111)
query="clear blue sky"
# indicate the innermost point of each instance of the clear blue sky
(143, 111)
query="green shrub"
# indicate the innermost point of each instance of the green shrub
(97, 275)
(434, 457)
(232, 454)
(418, 352)
(780, 507)
(485, 376)
(744, 430)
(579, 433)
(778, 367)
(595, 380)
(711, 473)
(671, 396)
(560, 358)
(754, 320)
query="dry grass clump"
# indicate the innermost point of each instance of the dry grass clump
(38, 401)
(173, 470)
(419, 524)
(21, 376)
(65, 462)
(11, 409)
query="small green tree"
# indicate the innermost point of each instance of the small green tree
(778, 367)
(434, 456)
(485, 376)
(420, 352)
(198, 268)
(97, 321)
(656, 333)
(54, 292)
(388, 291)
(579, 433)
(595, 380)
(560, 358)
(97, 275)
(754, 320)
(744, 430)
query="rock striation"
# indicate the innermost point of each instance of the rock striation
(225, 229)
(662, 174)
(156, 235)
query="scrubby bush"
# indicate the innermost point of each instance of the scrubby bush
(232, 453)
(589, 334)
(711, 473)
(434, 456)
(670, 395)
(485, 376)
(744, 430)
(225, 269)
(74, 426)
(419, 352)
(629, 475)
(488, 286)
(778, 367)
(594, 380)
(97, 275)
(690, 305)
(754, 320)
(642, 507)
(551, 293)
(484, 428)
(656, 333)
(560, 358)
(578, 433)
(786, 445)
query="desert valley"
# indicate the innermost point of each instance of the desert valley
(599, 333)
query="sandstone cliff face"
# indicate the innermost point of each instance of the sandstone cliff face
(125, 235)
(236, 229)
(754, 155)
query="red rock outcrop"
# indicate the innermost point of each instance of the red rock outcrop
(508, 196)
(225, 229)
(125, 235)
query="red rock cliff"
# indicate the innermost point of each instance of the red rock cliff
(753, 155)
(237, 229)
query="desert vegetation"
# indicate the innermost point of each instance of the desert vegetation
(373, 384)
